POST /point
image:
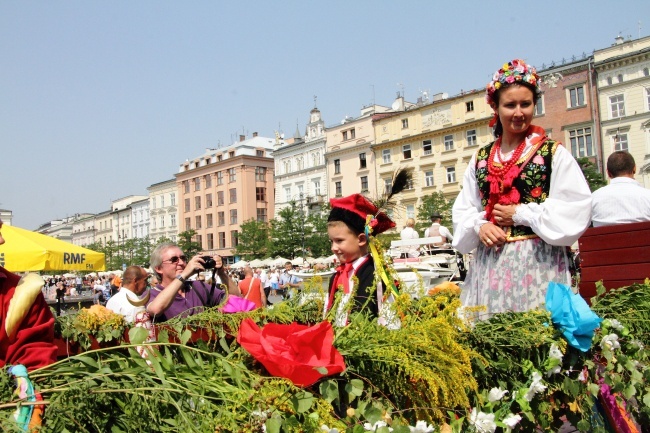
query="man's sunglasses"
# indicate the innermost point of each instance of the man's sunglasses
(175, 259)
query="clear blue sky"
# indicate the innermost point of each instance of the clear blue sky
(99, 99)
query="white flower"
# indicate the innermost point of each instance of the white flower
(325, 428)
(373, 427)
(613, 323)
(259, 414)
(511, 420)
(535, 387)
(638, 344)
(610, 342)
(484, 422)
(496, 394)
(555, 370)
(582, 377)
(421, 427)
(555, 352)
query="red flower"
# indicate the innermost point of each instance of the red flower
(536, 192)
(296, 352)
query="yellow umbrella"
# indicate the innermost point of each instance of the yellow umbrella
(30, 251)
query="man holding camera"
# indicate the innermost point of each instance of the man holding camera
(175, 296)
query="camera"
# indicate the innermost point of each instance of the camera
(208, 262)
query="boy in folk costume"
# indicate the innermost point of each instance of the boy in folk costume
(367, 285)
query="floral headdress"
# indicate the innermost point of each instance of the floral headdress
(512, 72)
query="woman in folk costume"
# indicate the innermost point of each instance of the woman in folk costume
(524, 201)
(352, 223)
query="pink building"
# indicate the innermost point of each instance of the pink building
(223, 188)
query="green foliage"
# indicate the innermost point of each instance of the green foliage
(287, 232)
(432, 203)
(187, 244)
(595, 179)
(253, 240)
(317, 242)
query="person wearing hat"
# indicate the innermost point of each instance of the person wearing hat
(436, 229)
(350, 236)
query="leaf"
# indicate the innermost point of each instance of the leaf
(138, 335)
(329, 390)
(354, 389)
(629, 391)
(646, 399)
(373, 414)
(321, 370)
(302, 401)
(185, 336)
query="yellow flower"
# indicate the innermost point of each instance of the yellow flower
(497, 85)
(506, 66)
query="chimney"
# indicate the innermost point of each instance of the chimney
(254, 134)
(619, 39)
(242, 137)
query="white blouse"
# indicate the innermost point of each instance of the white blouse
(559, 220)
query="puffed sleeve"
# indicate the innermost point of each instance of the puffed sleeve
(467, 213)
(566, 213)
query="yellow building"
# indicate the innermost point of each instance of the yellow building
(436, 139)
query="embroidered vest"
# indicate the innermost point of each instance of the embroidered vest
(533, 182)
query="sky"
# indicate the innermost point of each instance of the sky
(99, 100)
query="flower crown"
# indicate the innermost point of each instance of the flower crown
(511, 72)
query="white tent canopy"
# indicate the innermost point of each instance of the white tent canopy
(240, 264)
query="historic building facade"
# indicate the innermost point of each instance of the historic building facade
(624, 95)
(300, 173)
(222, 189)
(163, 210)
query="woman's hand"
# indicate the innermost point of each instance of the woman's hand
(491, 235)
(503, 214)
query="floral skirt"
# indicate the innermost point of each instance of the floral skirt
(515, 276)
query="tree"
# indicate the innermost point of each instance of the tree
(189, 247)
(287, 232)
(594, 178)
(432, 203)
(317, 241)
(253, 240)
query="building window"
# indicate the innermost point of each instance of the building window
(337, 166)
(220, 200)
(388, 185)
(231, 154)
(173, 199)
(426, 147)
(209, 220)
(187, 205)
(234, 238)
(410, 211)
(406, 151)
(385, 155)
(186, 185)
(301, 191)
(338, 189)
(220, 178)
(221, 218)
(260, 193)
(222, 239)
(469, 106)
(210, 241)
(162, 221)
(451, 174)
(233, 216)
(197, 203)
(198, 221)
(188, 225)
(646, 72)
(539, 107)
(617, 105)
(620, 78)
(609, 81)
(259, 152)
(232, 176)
(300, 163)
(153, 203)
(345, 135)
(471, 137)
(287, 166)
(647, 97)
(620, 142)
(261, 215)
(428, 178)
(208, 200)
(173, 220)
(405, 123)
(197, 184)
(233, 195)
(362, 160)
(576, 96)
(287, 193)
(581, 142)
(260, 174)
(208, 181)
(449, 142)
(352, 134)
(316, 186)
(219, 157)
(199, 240)
(364, 183)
